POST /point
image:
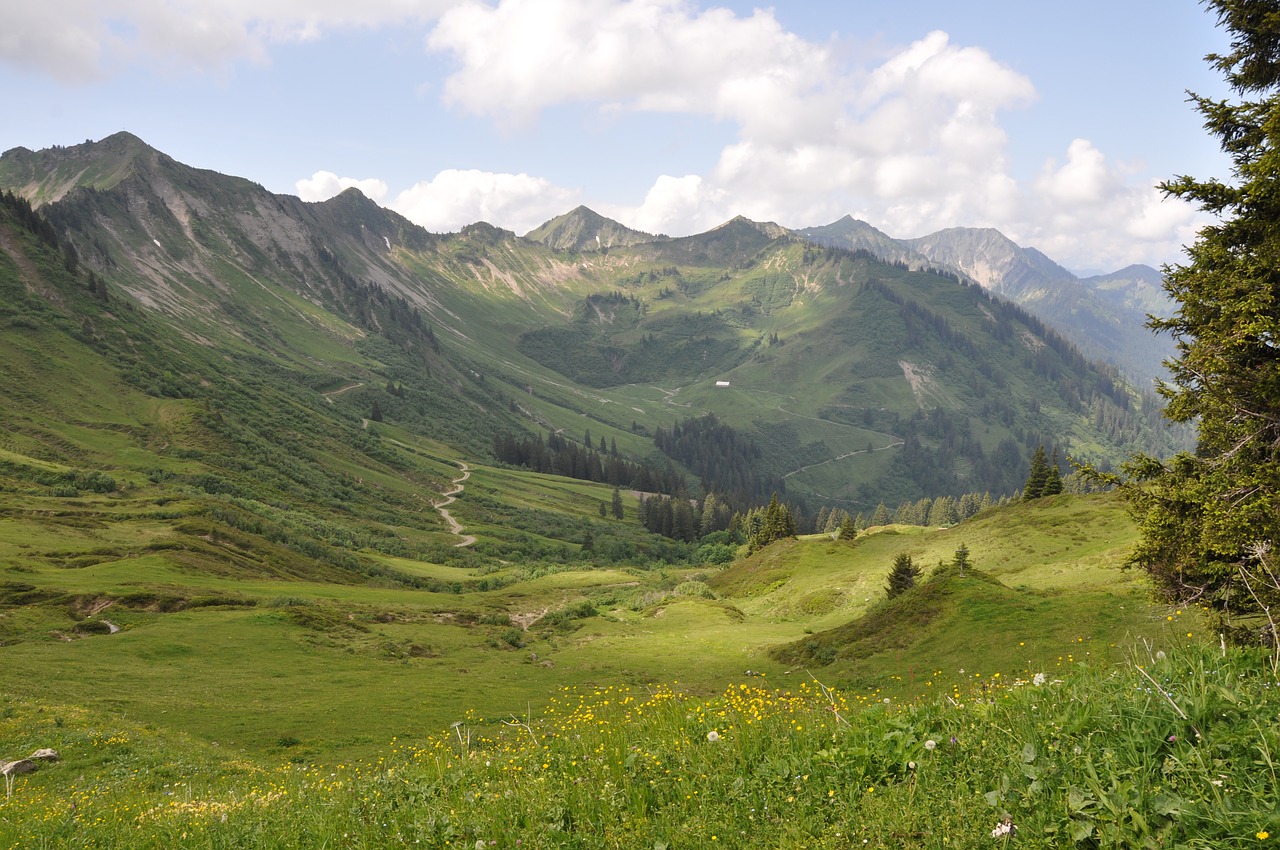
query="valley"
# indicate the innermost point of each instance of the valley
(291, 487)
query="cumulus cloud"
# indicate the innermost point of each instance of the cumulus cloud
(323, 185)
(79, 40)
(522, 56)
(911, 139)
(455, 198)
(1086, 207)
(685, 200)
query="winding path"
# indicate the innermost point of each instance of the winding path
(451, 496)
(329, 395)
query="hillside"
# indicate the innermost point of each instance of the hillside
(1104, 316)
(861, 382)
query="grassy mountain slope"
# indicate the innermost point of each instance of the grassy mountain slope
(1104, 316)
(831, 357)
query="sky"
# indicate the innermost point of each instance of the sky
(1053, 123)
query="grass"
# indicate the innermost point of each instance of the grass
(1175, 747)
(362, 660)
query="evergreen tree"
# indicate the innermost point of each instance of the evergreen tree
(848, 530)
(961, 559)
(774, 522)
(943, 511)
(903, 575)
(617, 503)
(1209, 521)
(1053, 478)
(820, 522)
(881, 516)
(1034, 488)
(375, 413)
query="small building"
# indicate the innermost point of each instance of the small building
(722, 383)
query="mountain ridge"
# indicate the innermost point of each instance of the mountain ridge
(828, 351)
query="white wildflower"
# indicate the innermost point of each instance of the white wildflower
(1005, 829)
(1038, 679)
(930, 744)
(713, 736)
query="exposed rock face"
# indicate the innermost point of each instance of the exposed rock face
(16, 768)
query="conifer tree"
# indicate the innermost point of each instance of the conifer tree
(617, 503)
(1209, 521)
(881, 516)
(774, 522)
(903, 575)
(1053, 478)
(961, 559)
(1039, 473)
(943, 511)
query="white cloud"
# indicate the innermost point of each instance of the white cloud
(913, 145)
(456, 198)
(1087, 211)
(912, 140)
(522, 56)
(80, 40)
(1085, 178)
(681, 201)
(323, 185)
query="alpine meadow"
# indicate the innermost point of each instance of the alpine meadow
(322, 529)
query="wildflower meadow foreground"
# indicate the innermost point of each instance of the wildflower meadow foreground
(1175, 750)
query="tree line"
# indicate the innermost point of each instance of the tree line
(558, 455)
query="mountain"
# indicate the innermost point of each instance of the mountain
(855, 235)
(1136, 287)
(1105, 315)
(856, 381)
(583, 230)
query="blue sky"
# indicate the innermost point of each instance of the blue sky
(1049, 122)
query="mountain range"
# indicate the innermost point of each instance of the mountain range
(1105, 315)
(862, 368)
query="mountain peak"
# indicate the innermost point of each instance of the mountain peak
(582, 229)
(768, 228)
(854, 234)
(123, 140)
(47, 175)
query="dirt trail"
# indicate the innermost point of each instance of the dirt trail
(893, 445)
(451, 496)
(329, 395)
